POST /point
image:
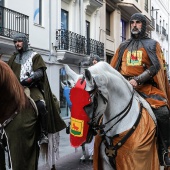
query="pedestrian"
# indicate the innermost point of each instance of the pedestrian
(140, 60)
(30, 70)
(95, 59)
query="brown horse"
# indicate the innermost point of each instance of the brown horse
(18, 124)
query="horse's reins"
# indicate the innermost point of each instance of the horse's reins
(2, 133)
(100, 127)
(125, 111)
(3, 125)
(111, 150)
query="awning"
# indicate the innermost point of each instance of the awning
(129, 8)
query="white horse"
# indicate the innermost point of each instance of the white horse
(126, 132)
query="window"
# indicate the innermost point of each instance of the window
(152, 11)
(146, 5)
(64, 19)
(107, 22)
(88, 36)
(123, 30)
(108, 58)
(38, 12)
(1, 2)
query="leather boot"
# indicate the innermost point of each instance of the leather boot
(44, 131)
(43, 118)
(163, 123)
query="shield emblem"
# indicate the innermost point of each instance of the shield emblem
(79, 119)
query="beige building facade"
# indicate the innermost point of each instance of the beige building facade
(72, 31)
(116, 14)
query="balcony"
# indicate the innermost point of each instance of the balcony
(129, 8)
(11, 22)
(92, 5)
(73, 47)
(164, 31)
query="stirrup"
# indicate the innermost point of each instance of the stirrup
(166, 158)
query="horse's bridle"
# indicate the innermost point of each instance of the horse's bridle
(92, 124)
(2, 133)
(96, 126)
(111, 150)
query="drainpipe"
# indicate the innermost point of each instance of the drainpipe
(81, 16)
(50, 29)
(81, 24)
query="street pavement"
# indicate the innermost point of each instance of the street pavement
(72, 162)
(69, 157)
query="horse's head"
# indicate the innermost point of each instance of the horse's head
(12, 93)
(96, 86)
(91, 93)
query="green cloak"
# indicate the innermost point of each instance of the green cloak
(55, 122)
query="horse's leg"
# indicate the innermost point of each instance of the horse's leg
(90, 149)
(84, 152)
(2, 159)
(2, 154)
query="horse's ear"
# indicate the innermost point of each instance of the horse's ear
(88, 75)
(74, 76)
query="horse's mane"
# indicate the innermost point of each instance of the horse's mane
(103, 68)
(10, 87)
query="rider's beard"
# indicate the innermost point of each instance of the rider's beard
(135, 31)
(19, 49)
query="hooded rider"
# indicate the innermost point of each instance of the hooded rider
(95, 59)
(29, 68)
(140, 60)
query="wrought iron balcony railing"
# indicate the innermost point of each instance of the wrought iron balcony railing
(164, 31)
(70, 41)
(12, 22)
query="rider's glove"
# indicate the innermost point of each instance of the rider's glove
(38, 75)
(28, 81)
